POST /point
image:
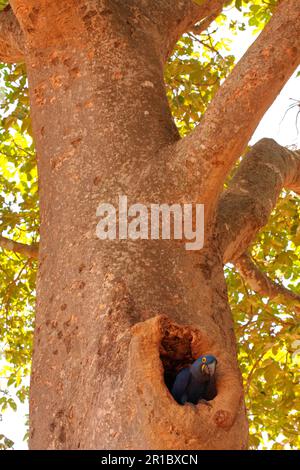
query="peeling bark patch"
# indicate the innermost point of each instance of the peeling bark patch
(76, 142)
(97, 180)
(62, 435)
(67, 323)
(58, 427)
(60, 414)
(39, 95)
(81, 268)
(52, 426)
(75, 72)
(77, 285)
(57, 81)
(57, 161)
(223, 419)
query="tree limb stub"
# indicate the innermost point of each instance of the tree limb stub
(260, 283)
(29, 251)
(253, 193)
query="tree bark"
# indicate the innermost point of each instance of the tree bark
(11, 38)
(114, 317)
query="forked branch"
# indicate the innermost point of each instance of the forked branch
(222, 135)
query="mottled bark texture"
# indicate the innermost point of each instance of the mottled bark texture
(115, 318)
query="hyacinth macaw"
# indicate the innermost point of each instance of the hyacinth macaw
(196, 382)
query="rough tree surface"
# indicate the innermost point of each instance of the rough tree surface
(114, 317)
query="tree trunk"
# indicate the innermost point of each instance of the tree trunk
(107, 310)
(116, 319)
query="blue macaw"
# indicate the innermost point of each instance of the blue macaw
(196, 382)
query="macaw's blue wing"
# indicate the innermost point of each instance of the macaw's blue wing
(180, 385)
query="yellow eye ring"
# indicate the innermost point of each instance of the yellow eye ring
(203, 359)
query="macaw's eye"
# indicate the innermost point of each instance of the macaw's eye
(204, 359)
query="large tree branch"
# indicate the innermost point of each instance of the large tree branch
(252, 195)
(29, 251)
(209, 152)
(259, 282)
(11, 38)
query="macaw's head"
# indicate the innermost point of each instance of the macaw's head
(206, 364)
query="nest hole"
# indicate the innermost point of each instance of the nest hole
(175, 354)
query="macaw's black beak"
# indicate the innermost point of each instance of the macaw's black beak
(205, 369)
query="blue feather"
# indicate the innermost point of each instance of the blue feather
(180, 385)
